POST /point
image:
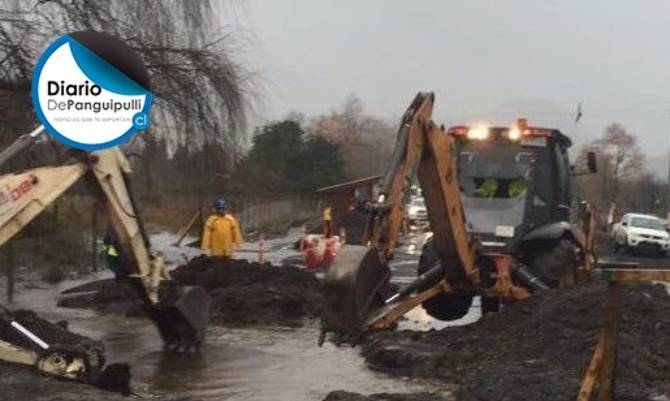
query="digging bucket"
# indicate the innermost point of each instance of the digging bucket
(182, 316)
(353, 288)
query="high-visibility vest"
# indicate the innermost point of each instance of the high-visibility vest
(111, 250)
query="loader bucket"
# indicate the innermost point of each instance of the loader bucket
(182, 316)
(354, 286)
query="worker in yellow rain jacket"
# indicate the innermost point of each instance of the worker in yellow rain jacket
(221, 235)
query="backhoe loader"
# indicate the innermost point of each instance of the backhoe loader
(498, 202)
(180, 313)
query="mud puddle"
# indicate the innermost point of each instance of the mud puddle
(261, 363)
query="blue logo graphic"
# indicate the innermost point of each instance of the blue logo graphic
(141, 120)
(90, 91)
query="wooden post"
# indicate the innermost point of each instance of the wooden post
(592, 372)
(589, 229)
(261, 248)
(610, 338)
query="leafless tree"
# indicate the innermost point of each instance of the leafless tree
(620, 163)
(366, 141)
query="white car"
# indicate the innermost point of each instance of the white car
(641, 231)
(416, 210)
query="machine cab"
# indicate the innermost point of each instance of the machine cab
(513, 180)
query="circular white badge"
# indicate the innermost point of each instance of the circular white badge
(85, 101)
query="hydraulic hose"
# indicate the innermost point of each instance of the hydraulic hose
(134, 204)
(397, 158)
(434, 273)
(528, 279)
(21, 143)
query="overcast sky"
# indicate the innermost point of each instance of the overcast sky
(485, 60)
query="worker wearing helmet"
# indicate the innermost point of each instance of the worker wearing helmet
(221, 235)
(113, 255)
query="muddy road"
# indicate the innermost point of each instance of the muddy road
(607, 254)
(260, 363)
(266, 362)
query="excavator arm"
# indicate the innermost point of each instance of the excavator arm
(180, 313)
(357, 284)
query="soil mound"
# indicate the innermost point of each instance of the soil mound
(245, 292)
(242, 292)
(539, 349)
(346, 396)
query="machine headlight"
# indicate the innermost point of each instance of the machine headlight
(514, 134)
(479, 133)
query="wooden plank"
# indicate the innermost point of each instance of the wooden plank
(187, 228)
(592, 372)
(612, 312)
(637, 275)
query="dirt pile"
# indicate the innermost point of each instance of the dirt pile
(539, 349)
(242, 292)
(346, 396)
(245, 292)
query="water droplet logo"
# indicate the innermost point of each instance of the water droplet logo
(91, 91)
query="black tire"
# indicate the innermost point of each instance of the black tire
(442, 306)
(553, 262)
(625, 248)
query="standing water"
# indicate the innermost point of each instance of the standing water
(268, 363)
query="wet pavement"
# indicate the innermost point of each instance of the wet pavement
(606, 254)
